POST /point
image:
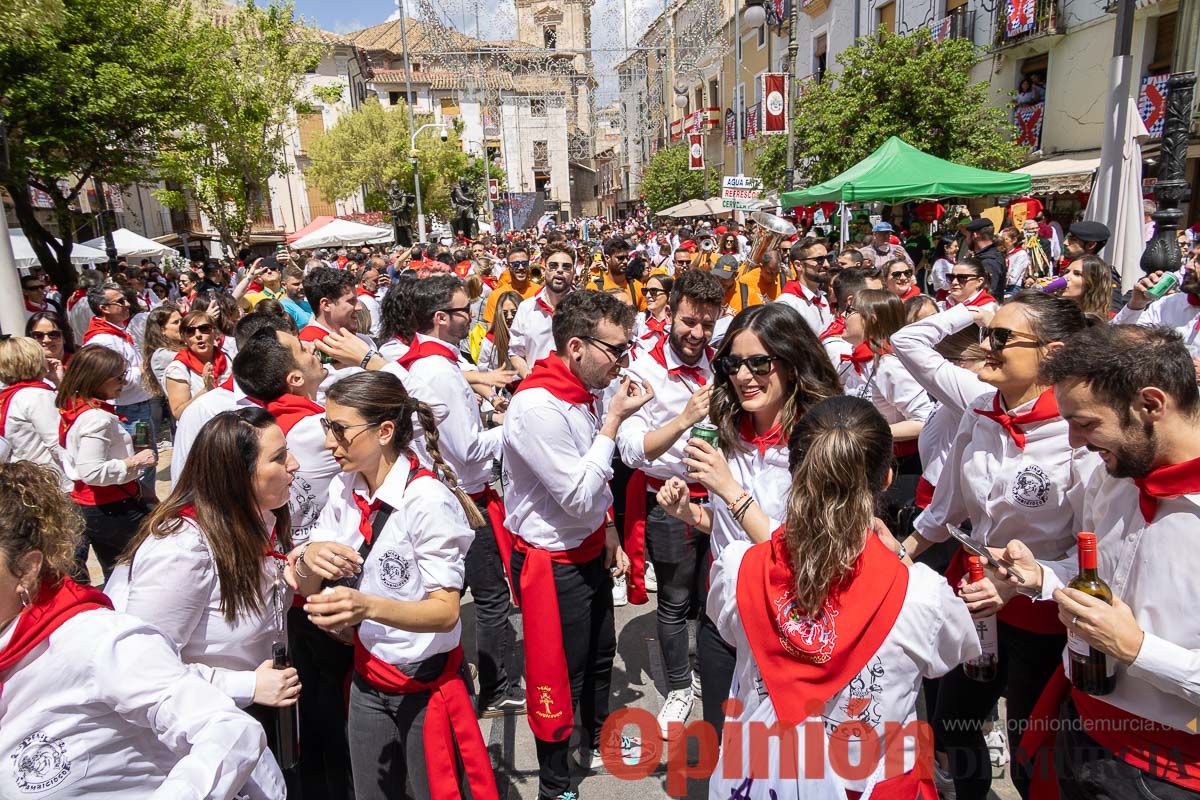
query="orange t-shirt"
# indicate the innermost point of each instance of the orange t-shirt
(502, 286)
(754, 288)
(637, 299)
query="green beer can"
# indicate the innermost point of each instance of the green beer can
(705, 431)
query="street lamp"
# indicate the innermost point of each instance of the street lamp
(754, 14)
(412, 159)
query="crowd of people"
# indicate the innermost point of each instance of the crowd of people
(857, 481)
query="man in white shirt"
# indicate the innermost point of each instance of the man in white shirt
(368, 286)
(1179, 312)
(806, 294)
(530, 338)
(1129, 394)
(558, 459)
(331, 293)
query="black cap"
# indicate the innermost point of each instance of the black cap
(1090, 231)
(726, 267)
(979, 224)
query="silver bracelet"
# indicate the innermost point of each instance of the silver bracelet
(299, 561)
(903, 554)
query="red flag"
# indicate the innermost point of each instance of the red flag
(775, 94)
(695, 151)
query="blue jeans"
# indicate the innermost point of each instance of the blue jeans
(142, 412)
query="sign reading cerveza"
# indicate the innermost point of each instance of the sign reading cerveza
(740, 193)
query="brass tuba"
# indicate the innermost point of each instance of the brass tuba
(770, 231)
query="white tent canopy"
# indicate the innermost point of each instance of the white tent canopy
(24, 256)
(132, 245)
(343, 232)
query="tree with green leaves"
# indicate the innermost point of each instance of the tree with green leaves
(95, 90)
(667, 181)
(904, 85)
(370, 147)
(252, 79)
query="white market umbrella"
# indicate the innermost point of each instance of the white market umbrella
(132, 245)
(341, 232)
(1116, 199)
(24, 257)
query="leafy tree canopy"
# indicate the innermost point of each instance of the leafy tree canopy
(667, 181)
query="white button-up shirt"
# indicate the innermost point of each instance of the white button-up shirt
(133, 391)
(766, 477)
(198, 412)
(1152, 568)
(104, 709)
(31, 428)
(178, 371)
(814, 308)
(531, 336)
(96, 449)
(1173, 311)
(887, 384)
(557, 470)
(421, 548)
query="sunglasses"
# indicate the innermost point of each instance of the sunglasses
(459, 310)
(683, 262)
(1000, 338)
(37, 288)
(651, 293)
(758, 365)
(904, 273)
(829, 259)
(958, 277)
(204, 328)
(618, 352)
(121, 302)
(518, 265)
(339, 429)
(42, 336)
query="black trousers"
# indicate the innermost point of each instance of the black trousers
(495, 637)
(590, 645)
(324, 666)
(716, 660)
(678, 554)
(107, 529)
(1027, 660)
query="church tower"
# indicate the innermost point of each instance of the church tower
(556, 24)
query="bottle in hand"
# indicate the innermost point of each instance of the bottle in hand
(287, 728)
(1091, 670)
(983, 667)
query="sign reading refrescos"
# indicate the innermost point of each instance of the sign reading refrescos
(740, 193)
(695, 151)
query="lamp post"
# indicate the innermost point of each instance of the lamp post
(408, 101)
(110, 247)
(1162, 253)
(412, 159)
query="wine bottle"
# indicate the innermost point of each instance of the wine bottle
(1091, 670)
(985, 665)
(287, 727)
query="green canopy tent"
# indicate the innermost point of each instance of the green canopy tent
(898, 172)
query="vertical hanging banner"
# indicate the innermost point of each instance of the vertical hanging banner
(1152, 104)
(775, 94)
(730, 128)
(695, 151)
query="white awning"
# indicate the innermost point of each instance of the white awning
(1065, 173)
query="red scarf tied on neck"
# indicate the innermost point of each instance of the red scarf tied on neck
(553, 375)
(836, 328)
(10, 391)
(75, 297)
(1167, 483)
(796, 289)
(53, 606)
(772, 438)
(693, 372)
(220, 362)
(424, 348)
(655, 327)
(805, 661)
(365, 511)
(102, 327)
(1044, 408)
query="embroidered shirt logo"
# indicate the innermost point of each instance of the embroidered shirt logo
(394, 570)
(1031, 487)
(40, 763)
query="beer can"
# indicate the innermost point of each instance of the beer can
(1165, 284)
(705, 431)
(141, 435)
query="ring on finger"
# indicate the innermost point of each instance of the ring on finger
(1074, 622)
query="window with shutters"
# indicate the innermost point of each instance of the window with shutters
(885, 17)
(311, 128)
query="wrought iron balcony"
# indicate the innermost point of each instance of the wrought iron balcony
(1020, 21)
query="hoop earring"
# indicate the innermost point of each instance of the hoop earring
(23, 593)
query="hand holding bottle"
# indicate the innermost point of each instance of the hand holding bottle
(1110, 629)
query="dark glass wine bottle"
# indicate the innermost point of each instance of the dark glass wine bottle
(1091, 670)
(984, 666)
(287, 721)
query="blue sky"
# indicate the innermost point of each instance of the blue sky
(341, 16)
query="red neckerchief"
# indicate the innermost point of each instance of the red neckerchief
(861, 354)
(102, 327)
(490, 336)
(75, 407)
(220, 362)
(804, 662)
(342, 261)
(312, 333)
(227, 384)
(365, 511)
(772, 438)
(693, 372)
(289, 409)
(980, 299)
(800, 290)
(551, 374)
(1167, 483)
(1044, 408)
(53, 606)
(836, 328)
(35, 308)
(912, 292)
(361, 292)
(656, 327)
(75, 297)
(488, 281)
(10, 391)
(424, 348)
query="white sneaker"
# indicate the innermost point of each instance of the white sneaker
(631, 750)
(675, 708)
(620, 592)
(696, 690)
(997, 744)
(651, 578)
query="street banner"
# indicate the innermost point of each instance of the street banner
(778, 11)
(1020, 16)
(40, 199)
(493, 189)
(740, 193)
(753, 115)
(695, 151)
(775, 94)
(730, 128)
(1029, 124)
(1152, 104)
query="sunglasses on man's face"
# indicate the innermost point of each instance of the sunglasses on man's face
(518, 265)
(759, 365)
(618, 352)
(35, 288)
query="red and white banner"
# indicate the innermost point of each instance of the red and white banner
(753, 121)
(1020, 17)
(730, 128)
(1029, 124)
(775, 105)
(1152, 104)
(695, 151)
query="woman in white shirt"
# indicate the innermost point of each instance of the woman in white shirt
(98, 455)
(207, 567)
(162, 342)
(48, 329)
(831, 628)
(400, 535)
(944, 256)
(199, 367)
(28, 418)
(650, 326)
(493, 349)
(769, 370)
(95, 703)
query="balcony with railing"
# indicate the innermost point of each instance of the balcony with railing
(1020, 21)
(957, 25)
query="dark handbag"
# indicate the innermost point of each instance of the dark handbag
(364, 550)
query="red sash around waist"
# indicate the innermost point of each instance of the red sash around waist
(905, 448)
(1020, 612)
(449, 720)
(635, 529)
(908, 786)
(547, 682)
(495, 515)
